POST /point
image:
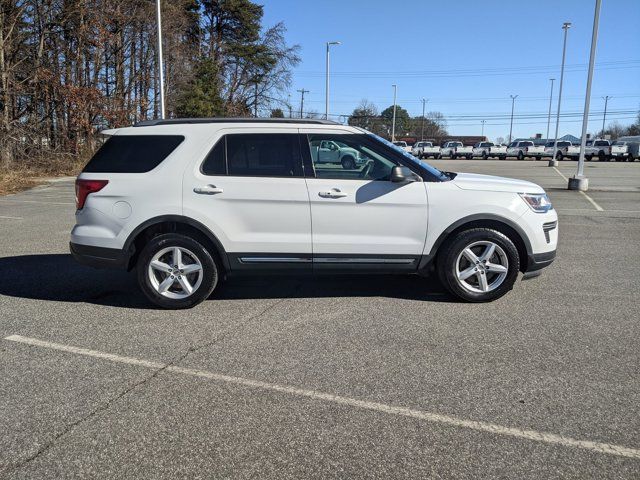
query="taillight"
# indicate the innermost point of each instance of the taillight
(85, 187)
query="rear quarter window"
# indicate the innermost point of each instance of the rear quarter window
(132, 153)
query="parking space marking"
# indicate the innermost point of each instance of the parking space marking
(8, 217)
(591, 200)
(533, 435)
(35, 201)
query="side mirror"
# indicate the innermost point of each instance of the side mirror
(401, 174)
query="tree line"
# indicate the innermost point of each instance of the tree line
(366, 115)
(70, 68)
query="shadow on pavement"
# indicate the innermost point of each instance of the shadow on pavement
(57, 277)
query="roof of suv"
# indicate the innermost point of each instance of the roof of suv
(179, 121)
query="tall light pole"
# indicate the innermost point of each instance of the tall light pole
(513, 102)
(579, 181)
(553, 162)
(604, 117)
(326, 99)
(424, 102)
(160, 67)
(482, 122)
(393, 123)
(549, 116)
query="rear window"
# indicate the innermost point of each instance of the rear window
(526, 144)
(132, 153)
(602, 143)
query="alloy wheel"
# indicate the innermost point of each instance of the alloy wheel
(175, 272)
(482, 266)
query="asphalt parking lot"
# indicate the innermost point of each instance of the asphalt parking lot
(367, 377)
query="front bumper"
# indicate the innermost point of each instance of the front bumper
(538, 261)
(99, 257)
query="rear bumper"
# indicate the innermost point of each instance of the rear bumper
(99, 257)
(538, 261)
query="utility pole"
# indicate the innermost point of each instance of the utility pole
(393, 123)
(289, 104)
(160, 67)
(554, 162)
(549, 116)
(579, 181)
(326, 98)
(513, 102)
(604, 117)
(302, 92)
(482, 122)
(424, 102)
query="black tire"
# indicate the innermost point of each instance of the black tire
(448, 257)
(559, 156)
(348, 162)
(453, 156)
(469, 157)
(484, 156)
(504, 157)
(210, 274)
(588, 158)
(438, 157)
(520, 155)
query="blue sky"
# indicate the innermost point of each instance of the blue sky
(466, 58)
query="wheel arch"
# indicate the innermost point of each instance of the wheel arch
(501, 224)
(173, 224)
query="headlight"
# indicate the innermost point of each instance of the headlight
(538, 202)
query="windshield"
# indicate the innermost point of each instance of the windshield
(619, 143)
(407, 156)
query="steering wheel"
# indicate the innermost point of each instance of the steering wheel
(366, 170)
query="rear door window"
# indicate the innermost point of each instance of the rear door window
(132, 153)
(255, 155)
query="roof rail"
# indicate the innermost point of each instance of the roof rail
(180, 121)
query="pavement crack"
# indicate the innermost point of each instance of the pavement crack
(107, 405)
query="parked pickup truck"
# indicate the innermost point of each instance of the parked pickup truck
(524, 149)
(598, 148)
(403, 145)
(425, 150)
(330, 151)
(632, 143)
(620, 151)
(489, 150)
(456, 149)
(562, 144)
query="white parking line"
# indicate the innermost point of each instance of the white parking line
(34, 201)
(533, 435)
(591, 200)
(11, 218)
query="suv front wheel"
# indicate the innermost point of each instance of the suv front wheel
(175, 271)
(479, 265)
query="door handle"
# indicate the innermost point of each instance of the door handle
(333, 193)
(208, 190)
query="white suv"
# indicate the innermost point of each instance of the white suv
(188, 202)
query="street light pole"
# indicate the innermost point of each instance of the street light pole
(554, 162)
(326, 99)
(604, 117)
(513, 102)
(393, 123)
(549, 116)
(424, 102)
(160, 67)
(579, 181)
(482, 121)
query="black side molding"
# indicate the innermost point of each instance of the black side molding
(99, 257)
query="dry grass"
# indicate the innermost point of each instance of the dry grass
(19, 178)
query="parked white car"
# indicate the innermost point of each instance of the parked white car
(525, 149)
(487, 150)
(329, 151)
(425, 150)
(455, 149)
(632, 143)
(561, 149)
(187, 203)
(403, 145)
(598, 148)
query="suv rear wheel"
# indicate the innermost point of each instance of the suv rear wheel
(175, 271)
(479, 265)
